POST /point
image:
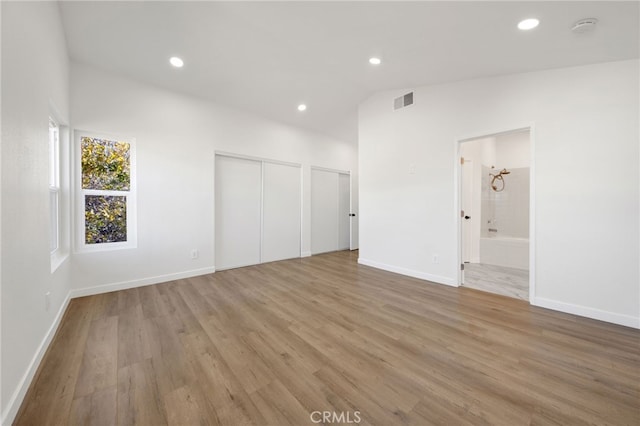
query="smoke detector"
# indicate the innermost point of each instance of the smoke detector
(584, 25)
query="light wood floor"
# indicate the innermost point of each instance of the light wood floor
(270, 344)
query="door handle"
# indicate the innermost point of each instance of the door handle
(467, 217)
(352, 214)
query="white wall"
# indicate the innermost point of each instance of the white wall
(512, 151)
(586, 227)
(176, 139)
(34, 75)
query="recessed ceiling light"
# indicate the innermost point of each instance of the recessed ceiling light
(302, 107)
(375, 61)
(528, 24)
(176, 62)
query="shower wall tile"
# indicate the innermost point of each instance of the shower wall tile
(507, 210)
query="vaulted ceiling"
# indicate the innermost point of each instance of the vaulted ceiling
(268, 57)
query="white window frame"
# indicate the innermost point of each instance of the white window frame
(59, 208)
(132, 236)
(54, 186)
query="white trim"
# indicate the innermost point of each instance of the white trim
(457, 206)
(409, 272)
(496, 132)
(353, 222)
(54, 189)
(457, 185)
(305, 254)
(532, 213)
(302, 224)
(261, 159)
(338, 212)
(585, 311)
(338, 172)
(78, 219)
(244, 265)
(350, 211)
(8, 416)
(326, 169)
(58, 257)
(124, 285)
(261, 252)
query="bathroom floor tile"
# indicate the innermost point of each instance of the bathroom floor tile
(510, 282)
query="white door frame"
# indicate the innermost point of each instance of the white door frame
(339, 172)
(532, 197)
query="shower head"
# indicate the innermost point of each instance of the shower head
(498, 177)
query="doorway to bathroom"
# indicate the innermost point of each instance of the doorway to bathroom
(495, 213)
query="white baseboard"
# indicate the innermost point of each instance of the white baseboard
(106, 288)
(305, 254)
(585, 311)
(23, 386)
(409, 272)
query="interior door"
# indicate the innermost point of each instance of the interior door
(324, 211)
(281, 212)
(466, 198)
(344, 209)
(238, 186)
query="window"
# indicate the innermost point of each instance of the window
(54, 186)
(107, 196)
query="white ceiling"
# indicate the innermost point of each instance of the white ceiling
(267, 57)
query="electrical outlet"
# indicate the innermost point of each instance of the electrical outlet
(436, 259)
(194, 254)
(47, 301)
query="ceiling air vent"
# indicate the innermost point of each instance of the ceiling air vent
(584, 25)
(403, 101)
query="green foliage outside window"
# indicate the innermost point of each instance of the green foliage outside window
(105, 219)
(105, 167)
(105, 164)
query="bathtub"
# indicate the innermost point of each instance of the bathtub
(505, 251)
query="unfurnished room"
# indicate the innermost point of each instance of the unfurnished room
(320, 212)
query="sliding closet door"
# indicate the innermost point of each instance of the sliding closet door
(344, 209)
(324, 211)
(238, 196)
(281, 212)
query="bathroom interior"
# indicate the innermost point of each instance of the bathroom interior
(495, 190)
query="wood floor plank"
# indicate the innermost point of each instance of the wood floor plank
(186, 405)
(139, 399)
(99, 368)
(370, 409)
(278, 406)
(134, 344)
(311, 393)
(153, 303)
(96, 409)
(271, 344)
(49, 399)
